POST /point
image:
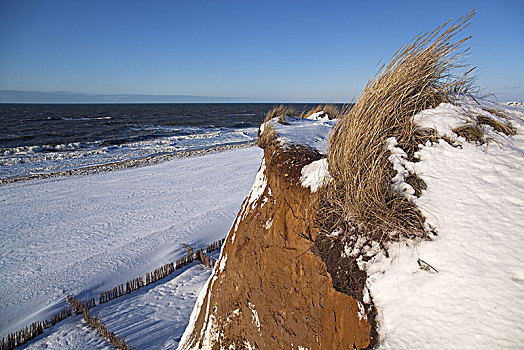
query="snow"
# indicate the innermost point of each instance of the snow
(321, 115)
(153, 318)
(83, 235)
(222, 263)
(307, 132)
(86, 234)
(255, 319)
(361, 311)
(73, 334)
(444, 119)
(157, 317)
(315, 174)
(196, 311)
(258, 188)
(268, 223)
(208, 332)
(400, 164)
(475, 201)
(248, 345)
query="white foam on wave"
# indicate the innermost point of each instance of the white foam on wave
(27, 160)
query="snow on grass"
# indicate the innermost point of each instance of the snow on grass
(475, 200)
(400, 165)
(315, 174)
(307, 132)
(84, 235)
(320, 115)
(444, 119)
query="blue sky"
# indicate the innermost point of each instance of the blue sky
(246, 50)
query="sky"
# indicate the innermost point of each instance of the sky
(233, 51)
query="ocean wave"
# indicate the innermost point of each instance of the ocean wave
(20, 161)
(85, 118)
(23, 150)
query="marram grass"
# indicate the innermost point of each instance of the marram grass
(422, 74)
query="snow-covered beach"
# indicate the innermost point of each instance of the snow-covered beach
(82, 235)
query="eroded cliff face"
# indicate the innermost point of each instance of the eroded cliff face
(268, 289)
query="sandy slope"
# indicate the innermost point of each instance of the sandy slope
(82, 235)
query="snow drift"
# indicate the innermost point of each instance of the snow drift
(475, 203)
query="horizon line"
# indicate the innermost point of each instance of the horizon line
(64, 97)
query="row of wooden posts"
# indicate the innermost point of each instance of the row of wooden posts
(118, 291)
(78, 306)
(163, 271)
(100, 328)
(30, 332)
(160, 273)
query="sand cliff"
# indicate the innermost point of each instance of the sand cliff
(269, 290)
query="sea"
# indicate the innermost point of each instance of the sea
(49, 138)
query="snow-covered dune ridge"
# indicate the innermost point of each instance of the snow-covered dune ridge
(464, 288)
(475, 203)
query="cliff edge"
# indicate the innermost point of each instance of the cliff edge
(269, 290)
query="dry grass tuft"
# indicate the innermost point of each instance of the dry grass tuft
(470, 132)
(419, 137)
(268, 138)
(282, 111)
(495, 124)
(333, 111)
(420, 75)
(307, 113)
(417, 183)
(496, 112)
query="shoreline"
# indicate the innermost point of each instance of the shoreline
(125, 164)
